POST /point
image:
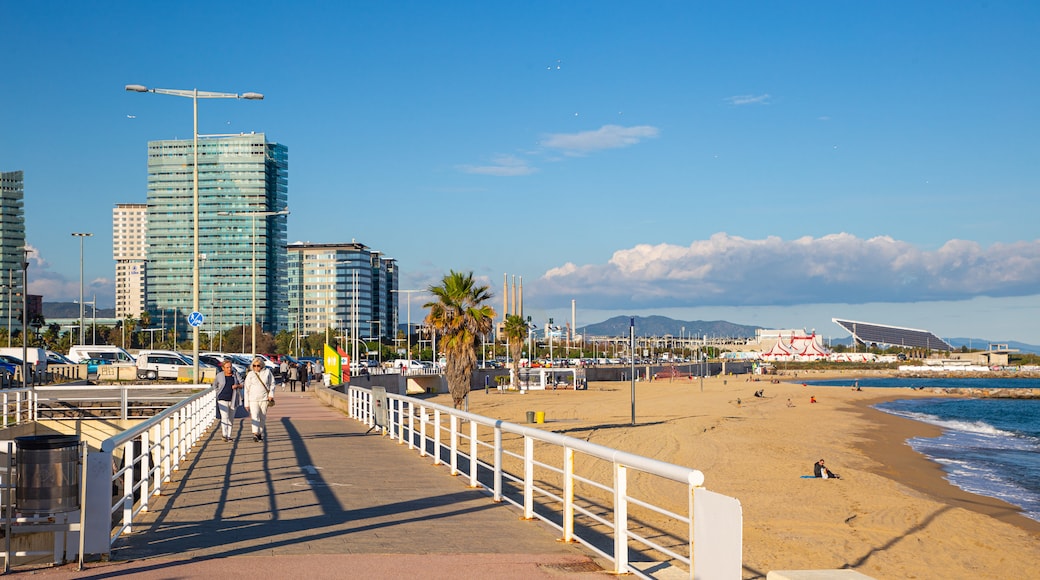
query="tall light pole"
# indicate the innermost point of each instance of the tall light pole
(194, 95)
(252, 215)
(81, 236)
(408, 331)
(379, 341)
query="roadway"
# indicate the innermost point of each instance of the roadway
(322, 498)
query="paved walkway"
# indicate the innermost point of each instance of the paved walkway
(320, 498)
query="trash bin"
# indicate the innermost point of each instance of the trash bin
(48, 474)
(530, 416)
(539, 416)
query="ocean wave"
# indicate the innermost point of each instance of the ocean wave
(979, 427)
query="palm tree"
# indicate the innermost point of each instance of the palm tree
(515, 330)
(460, 316)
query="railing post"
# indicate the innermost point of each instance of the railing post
(453, 422)
(145, 468)
(436, 436)
(473, 454)
(498, 463)
(175, 443)
(128, 486)
(167, 451)
(528, 477)
(123, 403)
(411, 425)
(422, 431)
(620, 519)
(568, 494)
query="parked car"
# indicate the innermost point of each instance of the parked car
(94, 363)
(152, 365)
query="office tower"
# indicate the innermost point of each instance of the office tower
(342, 287)
(129, 224)
(240, 178)
(12, 247)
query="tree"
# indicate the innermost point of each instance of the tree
(460, 316)
(515, 330)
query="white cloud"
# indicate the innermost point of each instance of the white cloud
(738, 100)
(733, 271)
(606, 137)
(501, 165)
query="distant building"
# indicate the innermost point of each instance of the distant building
(129, 225)
(12, 247)
(238, 176)
(342, 286)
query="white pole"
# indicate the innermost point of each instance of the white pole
(195, 244)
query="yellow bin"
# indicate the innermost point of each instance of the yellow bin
(539, 416)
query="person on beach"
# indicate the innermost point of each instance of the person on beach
(259, 389)
(812, 398)
(229, 393)
(822, 472)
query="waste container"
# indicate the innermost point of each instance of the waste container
(539, 416)
(48, 474)
(530, 416)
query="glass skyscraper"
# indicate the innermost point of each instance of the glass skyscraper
(240, 175)
(342, 287)
(12, 245)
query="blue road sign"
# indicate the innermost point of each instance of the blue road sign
(195, 319)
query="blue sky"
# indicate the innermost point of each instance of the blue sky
(768, 163)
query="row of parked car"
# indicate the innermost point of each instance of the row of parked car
(158, 364)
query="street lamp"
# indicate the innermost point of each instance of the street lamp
(408, 331)
(252, 215)
(81, 236)
(379, 341)
(194, 95)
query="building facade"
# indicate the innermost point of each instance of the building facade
(12, 247)
(129, 225)
(345, 289)
(242, 251)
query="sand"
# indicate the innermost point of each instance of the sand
(891, 515)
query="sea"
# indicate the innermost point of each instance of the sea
(988, 447)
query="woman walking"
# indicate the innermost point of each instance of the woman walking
(229, 393)
(259, 387)
(294, 376)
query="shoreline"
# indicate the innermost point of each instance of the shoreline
(888, 445)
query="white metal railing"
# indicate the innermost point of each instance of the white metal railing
(107, 402)
(151, 452)
(592, 494)
(19, 406)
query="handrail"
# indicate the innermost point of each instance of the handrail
(605, 514)
(21, 407)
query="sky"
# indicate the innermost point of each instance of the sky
(766, 163)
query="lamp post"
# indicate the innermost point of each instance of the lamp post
(408, 330)
(81, 236)
(194, 95)
(379, 341)
(252, 215)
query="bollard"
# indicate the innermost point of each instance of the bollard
(530, 416)
(539, 416)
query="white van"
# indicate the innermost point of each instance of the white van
(36, 357)
(113, 354)
(161, 364)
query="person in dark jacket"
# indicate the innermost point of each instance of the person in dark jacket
(229, 393)
(822, 472)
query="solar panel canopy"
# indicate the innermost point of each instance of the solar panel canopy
(867, 332)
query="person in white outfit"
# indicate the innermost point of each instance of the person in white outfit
(259, 387)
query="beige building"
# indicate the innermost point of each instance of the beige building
(129, 224)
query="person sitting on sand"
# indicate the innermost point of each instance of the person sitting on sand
(812, 398)
(822, 472)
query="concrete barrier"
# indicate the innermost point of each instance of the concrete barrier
(817, 575)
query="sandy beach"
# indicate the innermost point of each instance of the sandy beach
(891, 515)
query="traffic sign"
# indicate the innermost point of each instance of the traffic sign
(195, 319)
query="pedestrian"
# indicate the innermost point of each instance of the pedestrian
(294, 376)
(308, 369)
(283, 369)
(259, 388)
(229, 395)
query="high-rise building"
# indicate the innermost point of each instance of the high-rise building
(12, 246)
(129, 224)
(239, 177)
(341, 287)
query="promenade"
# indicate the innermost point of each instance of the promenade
(321, 498)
